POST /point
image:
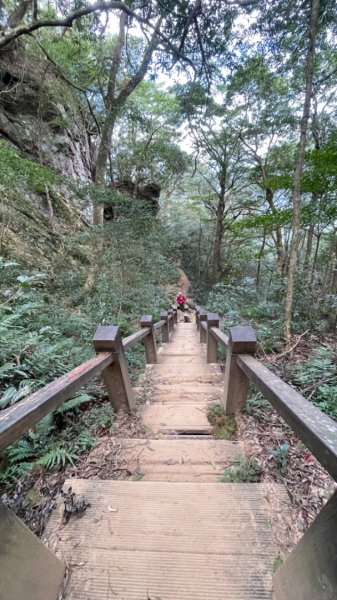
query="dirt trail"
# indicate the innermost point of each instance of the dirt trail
(183, 283)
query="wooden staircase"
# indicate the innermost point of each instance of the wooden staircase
(177, 533)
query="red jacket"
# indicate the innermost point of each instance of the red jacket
(181, 299)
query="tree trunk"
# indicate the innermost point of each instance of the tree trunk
(101, 162)
(114, 102)
(333, 289)
(278, 241)
(219, 228)
(308, 251)
(258, 271)
(296, 196)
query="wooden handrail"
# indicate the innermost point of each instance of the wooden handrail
(136, 337)
(220, 336)
(314, 559)
(316, 430)
(17, 419)
(313, 427)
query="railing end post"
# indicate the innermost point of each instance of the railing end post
(242, 340)
(165, 329)
(212, 344)
(197, 320)
(149, 340)
(202, 317)
(116, 376)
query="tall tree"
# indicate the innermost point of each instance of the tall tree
(296, 195)
(116, 98)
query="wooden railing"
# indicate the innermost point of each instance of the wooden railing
(110, 361)
(310, 572)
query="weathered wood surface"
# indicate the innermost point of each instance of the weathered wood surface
(116, 375)
(165, 332)
(220, 336)
(212, 345)
(28, 570)
(241, 339)
(159, 324)
(170, 320)
(17, 419)
(146, 322)
(316, 430)
(135, 338)
(310, 571)
(197, 316)
(202, 326)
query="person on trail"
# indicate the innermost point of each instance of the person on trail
(181, 299)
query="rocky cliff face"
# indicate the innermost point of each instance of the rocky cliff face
(38, 114)
(45, 155)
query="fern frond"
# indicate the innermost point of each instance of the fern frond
(22, 450)
(85, 441)
(56, 458)
(13, 395)
(73, 403)
(15, 471)
(43, 428)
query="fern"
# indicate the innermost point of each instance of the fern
(13, 395)
(56, 458)
(21, 451)
(73, 403)
(86, 441)
(42, 429)
(15, 471)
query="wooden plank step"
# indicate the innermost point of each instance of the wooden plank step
(174, 418)
(171, 541)
(177, 460)
(194, 373)
(186, 393)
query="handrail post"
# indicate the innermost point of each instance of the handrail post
(202, 317)
(170, 320)
(310, 570)
(116, 376)
(175, 314)
(242, 340)
(212, 344)
(149, 340)
(165, 328)
(197, 317)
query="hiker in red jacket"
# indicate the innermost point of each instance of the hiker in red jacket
(181, 299)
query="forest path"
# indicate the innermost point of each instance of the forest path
(175, 532)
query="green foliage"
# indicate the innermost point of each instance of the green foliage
(224, 426)
(56, 458)
(245, 470)
(278, 562)
(23, 171)
(281, 453)
(47, 321)
(255, 405)
(317, 377)
(75, 402)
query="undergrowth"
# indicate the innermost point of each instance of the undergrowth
(47, 321)
(245, 470)
(224, 426)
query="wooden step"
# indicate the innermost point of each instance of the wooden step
(176, 418)
(169, 541)
(178, 459)
(186, 393)
(184, 373)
